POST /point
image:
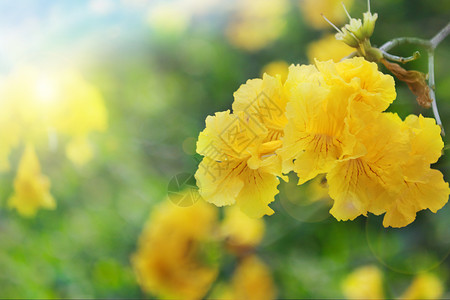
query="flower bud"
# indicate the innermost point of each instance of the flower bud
(355, 27)
(368, 24)
(347, 37)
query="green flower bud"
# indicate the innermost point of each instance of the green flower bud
(369, 24)
(355, 27)
(347, 37)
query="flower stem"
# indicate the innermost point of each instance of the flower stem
(400, 58)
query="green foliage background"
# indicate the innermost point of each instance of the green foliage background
(159, 86)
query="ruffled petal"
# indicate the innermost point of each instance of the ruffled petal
(229, 136)
(218, 181)
(258, 190)
(416, 196)
(264, 100)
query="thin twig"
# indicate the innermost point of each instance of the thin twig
(432, 87)
(405, 40)
(440, 36)
(400, 58)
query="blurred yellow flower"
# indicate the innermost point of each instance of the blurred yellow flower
(278, 67)
(239, 231)
(332, 9)
(252, 280)
(35, 103)
(79, 151)
(328, 48)
(81, 108)
(364, 283)
(170, 259)
(31, 187)
(367, 283)
(257, 23)
(424, 286)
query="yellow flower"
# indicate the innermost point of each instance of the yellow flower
(422, 187)
(332, 9)
(325, 111)
(317, 134)
(168, 262)
(371, 90)
(328, 48)
(367, 183)
(239, 164)
(79, 151)
(240, 231)
(81, 109)
(257, 23)
(277, 68)
(31, 188)
(35, 103)
(364, 283)
(424, 286)
(394, 176)
(252, 280)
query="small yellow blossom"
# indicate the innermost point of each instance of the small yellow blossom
(257, 23)
(31, 188)
(424, 286)
(364, 283)
(252, 280)
(313, 9)
(239, 230)
(168, 262)
(276, 68)
(328, 48)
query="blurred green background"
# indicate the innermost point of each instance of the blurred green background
(162, 67)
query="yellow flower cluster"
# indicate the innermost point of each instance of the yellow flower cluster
(179, 251)
(325, 119)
